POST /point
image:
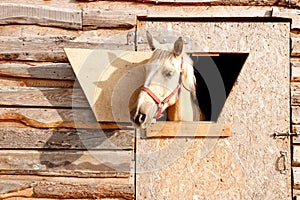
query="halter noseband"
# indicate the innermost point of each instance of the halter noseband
(160, 103)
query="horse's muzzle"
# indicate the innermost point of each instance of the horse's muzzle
(141, 118)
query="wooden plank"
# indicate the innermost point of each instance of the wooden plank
(40, 15)
(295, 93)
(295, 73)
(296, 140)
(35, 187)
(7, 186)
(83, 191)
(295, 47)
(53, 71)
(188, 129)
(57, 118)
(48, 49)
(295, 114)
(65, 138)
(29, 82)
(50, 118)
(107, 18)
(43, 97)
(296, 175)
(26, 192)
(296, 156)
(101, 164)
(291, 3)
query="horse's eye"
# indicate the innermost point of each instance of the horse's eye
(169, 74)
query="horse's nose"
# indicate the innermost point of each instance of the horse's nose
(140, 118)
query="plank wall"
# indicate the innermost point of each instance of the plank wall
(50, 144)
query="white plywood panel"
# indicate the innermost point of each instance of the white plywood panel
(246, 164)
(108, 78)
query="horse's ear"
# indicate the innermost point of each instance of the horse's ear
(178, 46)
(150, 41)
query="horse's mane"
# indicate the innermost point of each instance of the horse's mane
(161, 55)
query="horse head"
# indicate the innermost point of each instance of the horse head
(169, 74)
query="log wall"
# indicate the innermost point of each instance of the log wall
(50, 144)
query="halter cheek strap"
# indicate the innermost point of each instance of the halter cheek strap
(167, 99)
(158, 101)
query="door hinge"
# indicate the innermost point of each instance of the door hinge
(285, 134)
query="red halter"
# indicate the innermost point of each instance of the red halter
(167, 99)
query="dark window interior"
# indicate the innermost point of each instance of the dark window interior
(216, 76)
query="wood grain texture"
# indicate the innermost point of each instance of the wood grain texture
(43, 97)
(295, 47)
(295, 114)
(40, 15)
(79, 139)
(296, 156)
(107, 18)
(295, 69)
(291, 3)
(37, 75)
(296, 140)
(50, 118)
(36, 187)
(295, 93)
(57, 118)
(83, 191)
(296, 175)
(101, 164)
(50, 71)
(29, 82)
(188, 129)
(49, 49)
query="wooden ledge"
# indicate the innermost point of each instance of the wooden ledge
(188, 129)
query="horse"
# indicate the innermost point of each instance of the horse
(169, 85)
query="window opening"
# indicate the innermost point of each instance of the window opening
(229, 66)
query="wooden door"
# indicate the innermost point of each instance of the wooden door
(248, 164)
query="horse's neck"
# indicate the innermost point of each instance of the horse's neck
(183, 109)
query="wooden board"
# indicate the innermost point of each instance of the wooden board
(296, 139)
(48, 49)
(295, 47)
(29, 82)
(32, 74)
(295, 63)
(108, 79)
(111, 18)
(296, 175)
(291, 3)
(188, 129)
(295, 93)
(49, 118)
(101, 164)
(41, 15)
(52, 71)
(295, 114)
(296, 154)
(35, 187)
(56, 118)
(42, 97)
(77, 139)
